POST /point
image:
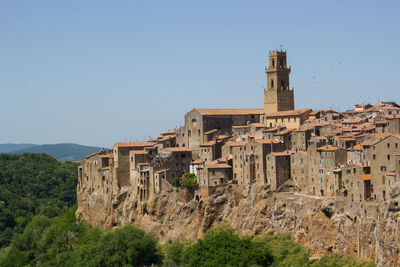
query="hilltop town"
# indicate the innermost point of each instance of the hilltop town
(353, 154)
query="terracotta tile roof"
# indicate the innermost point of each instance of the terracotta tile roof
(364, 176)
(211, 131)
(139, 152)
(133, 144)
(367, 143)
(236, 143)
(380, 122)
(240, 126)
(209, 143)
(328, 148)
(391, 174)
(284, 153)
(178, 149)
(80, 167)
(355, 148)
(197, 161)
(314, 112)
(257, 124)
(221, 112)
(91, 155)
(169, 132)
(160, 171)
(266, 141)
(353, 121)
(166, 138)
(106, 168)
(390, 117)
(270, 130)
(218, 166)
(286, 131)
(289, 113)
(106, 156)
(221, 137)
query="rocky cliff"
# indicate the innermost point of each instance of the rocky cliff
(364, 230)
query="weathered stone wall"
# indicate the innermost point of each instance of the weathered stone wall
(364, 230)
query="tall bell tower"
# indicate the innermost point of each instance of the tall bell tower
(278, 97)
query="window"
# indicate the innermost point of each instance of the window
(347, 181)
(282, 84)
(383, 168)
(388, 145)
(354, 170)
(388, 157)
(373, 156)
(273, 63)
(281, 63)
(198, 132)
(272, 83)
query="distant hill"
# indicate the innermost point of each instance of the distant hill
(6, 148)
(65, 151)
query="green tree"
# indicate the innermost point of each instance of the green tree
(221, 247)
(126, 246)
(188, 180)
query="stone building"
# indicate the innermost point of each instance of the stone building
(278, 168)
(383, 162)
(299, 168)
(291, 119)
(200, 121)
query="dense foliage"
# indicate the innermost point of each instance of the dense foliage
(32, 184)
(221, 247)
(188, 180)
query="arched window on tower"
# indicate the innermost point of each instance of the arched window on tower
(272, 84)
(281, 63)
(282, 84)
(273, 63)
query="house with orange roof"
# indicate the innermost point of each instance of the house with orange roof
(288, 119)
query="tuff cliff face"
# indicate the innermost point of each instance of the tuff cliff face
(365, 230)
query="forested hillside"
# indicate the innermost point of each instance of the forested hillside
(32, 184)
(65, 151)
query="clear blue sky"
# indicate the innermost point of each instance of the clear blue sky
(98, 72)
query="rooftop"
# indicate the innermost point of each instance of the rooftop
(218, 166)
(133, 144)
(178, 149)
(289, 113)
(222, 112)
(364, 176)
